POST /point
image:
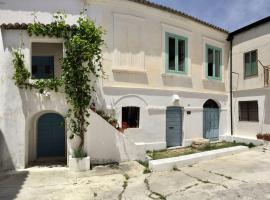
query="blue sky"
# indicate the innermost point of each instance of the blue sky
(227, 14)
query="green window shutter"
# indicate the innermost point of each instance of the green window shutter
(181, 55)
(254, 67)
(217, 63)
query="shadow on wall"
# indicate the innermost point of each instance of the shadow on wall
(176, 81)
(6, 162)
(10, 185)
(213, 85)
(140, 78)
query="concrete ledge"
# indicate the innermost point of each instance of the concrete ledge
(242, 139)
(168, 163)
(151, 146)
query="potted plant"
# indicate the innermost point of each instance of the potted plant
(79, 161)
(259, 136)
(266, 137)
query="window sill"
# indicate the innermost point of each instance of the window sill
(248, 122)
(168, 74)
(128, 70)
(250, 77)
(214, 80)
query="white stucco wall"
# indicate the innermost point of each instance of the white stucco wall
(250, 89)
(255, 38)
(105, 144)
(153, 104)
(135, 76)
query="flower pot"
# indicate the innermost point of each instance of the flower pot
(79, 164)
(259, 136)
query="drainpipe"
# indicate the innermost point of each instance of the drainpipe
(231, 94)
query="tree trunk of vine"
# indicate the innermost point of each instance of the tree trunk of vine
(82, 130)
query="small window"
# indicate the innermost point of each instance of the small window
(213, 62)
(130, 117)
(176, 53)
(42, 67)
(248, 111)
(250, 63)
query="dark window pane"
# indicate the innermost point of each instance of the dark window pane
(247, 64)
(42, 67)
(130, 117)
(210, 62)
(217, 63)
(248, 111)
(34, 71)
(181, 55)
(171, 53)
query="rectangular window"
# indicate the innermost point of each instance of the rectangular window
(250, 63)
(248, 111)
(176, 53)
(213, 62)
(130, 117)
(42, 67)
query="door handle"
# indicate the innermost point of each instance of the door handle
(171, 127)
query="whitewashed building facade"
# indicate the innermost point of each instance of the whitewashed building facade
(167, 80)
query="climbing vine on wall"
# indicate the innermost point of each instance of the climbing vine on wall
(81, 66)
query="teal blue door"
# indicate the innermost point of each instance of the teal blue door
(51, 136)
(211, 123)
(173, 126)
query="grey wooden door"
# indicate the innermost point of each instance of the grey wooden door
(174, 126)
(211, 123)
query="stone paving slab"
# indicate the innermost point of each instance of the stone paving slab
(240, 176)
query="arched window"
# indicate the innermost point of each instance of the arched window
(210, 104)
(130, 117)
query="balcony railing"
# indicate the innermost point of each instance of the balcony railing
(266, 73)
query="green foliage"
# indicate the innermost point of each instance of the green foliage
(146, 169)
(168, 153)
(21, 74)
(81, 66)
(79, 153)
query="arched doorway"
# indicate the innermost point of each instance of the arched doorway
(211, 120)
(50, 136)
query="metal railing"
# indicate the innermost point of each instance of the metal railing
(266, 71)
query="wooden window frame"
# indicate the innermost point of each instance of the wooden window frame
(244, 63)
(248, 112)
(214, 77)
(177, 38)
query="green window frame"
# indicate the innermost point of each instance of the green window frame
(251, 63)
(176, 53)
(213, 68)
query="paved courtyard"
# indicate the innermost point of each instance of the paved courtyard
(241, 176)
